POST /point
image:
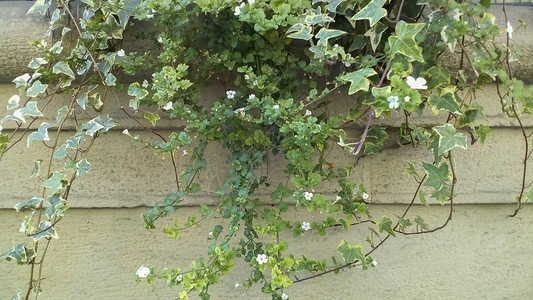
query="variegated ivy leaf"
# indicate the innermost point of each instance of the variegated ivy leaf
(57, 206)
(19, 253)
(350, 253)
(36, 88)
(13, 102)
(36, 62)
(358, 80)
(325, 34)
(30, 204)
(100, 123)
(449, 138)
(56, 182)
(300, 31)
(83, 167)
(22, 80)
(45, 230)
(39, 7)
(41, 134)
(373, 12)
(403, 41)
(62, 67)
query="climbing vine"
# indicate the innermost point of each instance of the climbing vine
(283, 66)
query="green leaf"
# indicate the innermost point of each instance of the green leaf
(318, 19)
(350, 253)
(20, 253)
(46, 230)
(57, 206)
(437, 176)
(325, 34)
(358, 80)
(30, 204)
(300, 32)
(332, 5)
(13, 102)
(375, 33)
(62, 67)
(100, 123)
(61, 152)
(31, 110)
(41, 134)
(373, 12)
(446, 102)
(56, 182)
(40, 7)
(83, 167)
(110, 79)
(36, 62)
(420, 222)
(152, 118)
(403, 41)
(126, 12)
(36, 88)
(36, 168)
(385, 225)
(449, 139)
(482, 131)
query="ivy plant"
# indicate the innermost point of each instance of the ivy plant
(282, 64)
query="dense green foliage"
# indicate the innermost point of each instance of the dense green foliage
(282, 63)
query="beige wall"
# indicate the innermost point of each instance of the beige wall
(481, 254)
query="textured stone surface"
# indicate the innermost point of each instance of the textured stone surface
(481, 254)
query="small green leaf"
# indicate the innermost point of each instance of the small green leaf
(300, 31)
(45, 230)
(41, 134)
(445, 102)
(358, 80)
(325, 34)
(62, 67)
(152, 118)
(31, 110)
(437, 176)
(449, 139)
(420, 222)
(83, 167)
(403, 41)
(385, 225)
(482, 131)
(36, 88)
(57, 206)
(20, 253)
(373, 12)
(350, 253)
(36, 168)
(30, 204)
(55, 182)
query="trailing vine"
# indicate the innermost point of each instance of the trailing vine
(299, 77)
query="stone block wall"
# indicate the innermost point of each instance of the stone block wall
(481, 254)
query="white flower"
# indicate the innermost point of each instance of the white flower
(417, 84)
(509, 30)
(145, 83)
(347, 64)
(308, 195)
(365, 196)
(251, 2)
(160, 39)
(121, 52)
(252, 96)
(284, 296)
(211, 234)
(240, 111)
(149, 16)
(246, 77)
(261, 259)
(374, 262)
(406, 98)
(307, 113)
(238, 9)
(237, 285)
(275, 106)
(179, 278)
(230, 94)
(306, 226)
(185, 152)
(143, 271)
(126, 132)
(337, 198)
(168, 106)
(393, 102)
